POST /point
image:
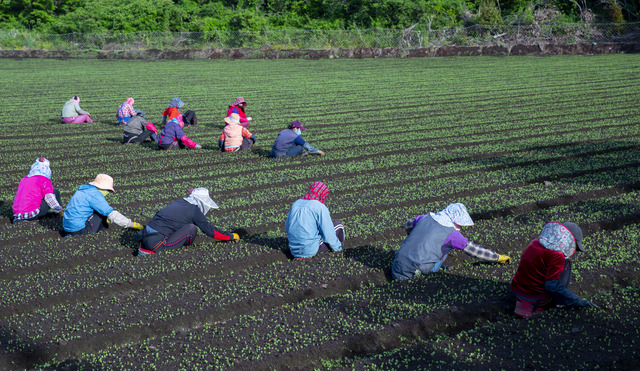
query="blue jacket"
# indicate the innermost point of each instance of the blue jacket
(288, 139)
(308, 222)
(84, 202)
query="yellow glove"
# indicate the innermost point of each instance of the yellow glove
(503, 259)
(61, 213)
(235, 237)
(137, 226)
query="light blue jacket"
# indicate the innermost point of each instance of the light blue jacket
(84, 202)
(308, 222)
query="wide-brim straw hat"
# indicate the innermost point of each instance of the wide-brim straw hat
(103, 181)
(233, 118)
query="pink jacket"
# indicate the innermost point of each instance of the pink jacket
(31, 191)
(232, 135)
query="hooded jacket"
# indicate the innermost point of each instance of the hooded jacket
(542, 262)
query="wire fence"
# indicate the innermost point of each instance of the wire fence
(328, 39)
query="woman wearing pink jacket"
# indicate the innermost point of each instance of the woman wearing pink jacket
(36, 196)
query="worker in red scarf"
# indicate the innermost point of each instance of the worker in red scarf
(309, 226)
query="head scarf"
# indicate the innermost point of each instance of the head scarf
(557, 237)
(130, 101)
(318, 192)
(238, 101)
(40, 167)
(200, 197)
(176, 102)
(454, 213)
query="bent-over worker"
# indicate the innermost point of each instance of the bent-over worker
(177, 224)
(430, 239)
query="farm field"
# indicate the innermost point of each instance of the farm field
(519, 140)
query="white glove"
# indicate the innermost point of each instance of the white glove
(198, 146)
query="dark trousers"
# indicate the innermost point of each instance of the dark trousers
(44, 208)
(157, 242)
(189, 118)
(95, 223)
(339, 228)
(132, 138)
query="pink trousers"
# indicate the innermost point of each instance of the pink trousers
(77, 120)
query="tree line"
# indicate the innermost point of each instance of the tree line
(118, 16)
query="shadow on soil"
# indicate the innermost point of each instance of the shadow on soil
(372, 257)
(275, 243)
(28, 355)
(262, 152)
(6, 210)
(578, 163)
(52, 222)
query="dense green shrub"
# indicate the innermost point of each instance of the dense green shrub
(117, 16)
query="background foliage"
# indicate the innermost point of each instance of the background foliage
(98, 16)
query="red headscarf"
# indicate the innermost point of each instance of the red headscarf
(318, 192)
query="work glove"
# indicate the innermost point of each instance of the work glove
(321, 153)
(61, 213)
(249, 118)
(236, 237)
(198, 146)
(137, 226)
(503, 259)
(587, 303)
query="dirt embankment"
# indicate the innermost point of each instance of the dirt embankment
(443, 51)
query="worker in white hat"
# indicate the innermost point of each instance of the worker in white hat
(177, 224)
(88, 211)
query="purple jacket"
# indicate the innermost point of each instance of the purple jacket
(171, 132)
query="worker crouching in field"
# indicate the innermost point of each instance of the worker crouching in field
(36, 196)
(235, 137)
(290, 143)
(430, 239)
(309, 226)
(177, 224)
(238, 107)
(172, 136)
(88, 211)
(137, 130)
(173, 111)
(126, 111)
(73, 114)
(544, 272)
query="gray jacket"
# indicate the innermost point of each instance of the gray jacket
(136, 125)
(421, 250)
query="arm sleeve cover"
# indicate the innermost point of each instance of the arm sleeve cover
(188, 142)
(119, 219)
(50, 199)
(480, 252)
(310, 148)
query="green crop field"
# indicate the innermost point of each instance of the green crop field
(519, 140)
